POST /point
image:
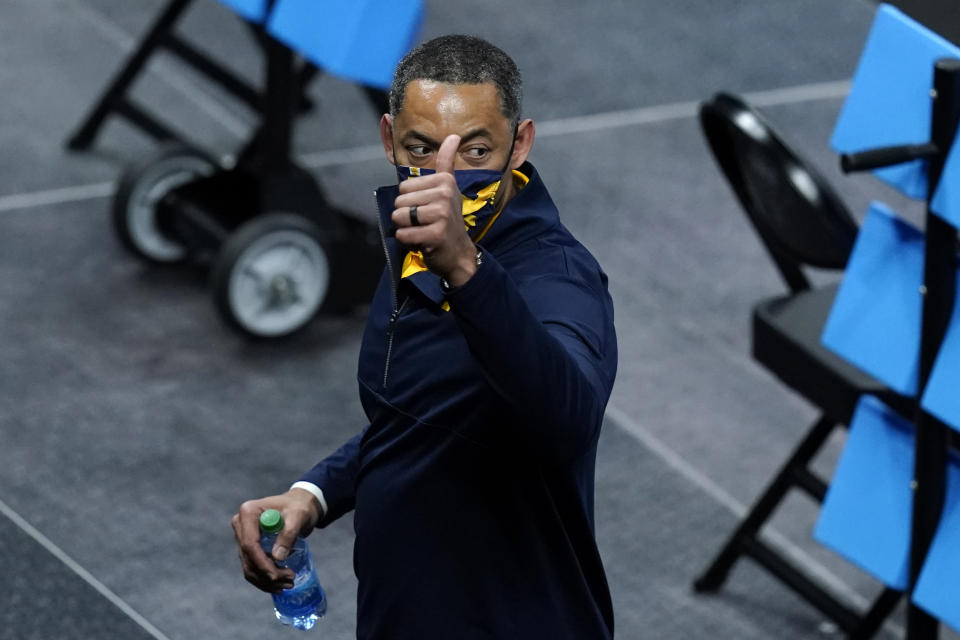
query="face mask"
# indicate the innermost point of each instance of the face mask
(478, 188)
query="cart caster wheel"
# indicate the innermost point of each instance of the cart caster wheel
(272, 275)
(141, 187)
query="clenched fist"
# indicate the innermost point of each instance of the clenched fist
(447, 249)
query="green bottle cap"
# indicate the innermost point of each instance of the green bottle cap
(271, 521)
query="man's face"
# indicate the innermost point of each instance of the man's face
(433, 110)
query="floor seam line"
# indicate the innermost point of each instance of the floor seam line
(559, 126)
(84, 574)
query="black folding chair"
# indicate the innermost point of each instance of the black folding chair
(802, 223)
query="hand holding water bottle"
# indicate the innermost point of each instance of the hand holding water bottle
(300, 511)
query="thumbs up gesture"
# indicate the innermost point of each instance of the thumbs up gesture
(436, 227)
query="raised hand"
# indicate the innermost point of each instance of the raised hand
(439, 232)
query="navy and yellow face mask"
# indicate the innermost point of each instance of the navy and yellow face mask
(478, 188)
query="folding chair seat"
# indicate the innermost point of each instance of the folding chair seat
(786, 341)
(803, 224)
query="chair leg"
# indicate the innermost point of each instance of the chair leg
(870, 623)
(743, 541)
(793, 577)
(716, 574)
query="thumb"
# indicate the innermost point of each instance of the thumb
(285, 540)
(447, 154)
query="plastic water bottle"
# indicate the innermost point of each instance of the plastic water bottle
(305, 603)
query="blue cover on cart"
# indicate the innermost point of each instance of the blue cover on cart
(938, 586)
(867, 511)
(941, 396)
(252, 10)
(875, 320)
(889, 102)
(360, 40)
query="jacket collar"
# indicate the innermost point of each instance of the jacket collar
(529, 213)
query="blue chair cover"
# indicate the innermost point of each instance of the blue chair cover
(946, 197)
(941, 397)
(875, 320)
(360, 40)
(938, 586)
(866, 514)
(889, 102)
(252, 10)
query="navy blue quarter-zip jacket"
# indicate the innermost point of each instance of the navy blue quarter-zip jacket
(473, 483)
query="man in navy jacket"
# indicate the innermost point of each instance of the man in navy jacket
(484, 372)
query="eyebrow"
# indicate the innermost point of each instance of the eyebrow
(475, 133)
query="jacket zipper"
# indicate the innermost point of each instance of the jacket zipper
(394, 315)
(397, 308)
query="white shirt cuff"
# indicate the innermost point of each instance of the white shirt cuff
(317, 493)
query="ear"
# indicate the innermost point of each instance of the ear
(526, 131)
(386, 137)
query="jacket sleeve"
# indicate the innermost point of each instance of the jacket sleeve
(547, 346)
(336, 476)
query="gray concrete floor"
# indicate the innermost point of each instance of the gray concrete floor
(133, 423)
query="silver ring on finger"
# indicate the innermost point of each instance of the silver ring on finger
(414, 220)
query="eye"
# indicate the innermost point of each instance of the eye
(477, 153)
(418, 150)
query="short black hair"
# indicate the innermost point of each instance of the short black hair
(460, 59)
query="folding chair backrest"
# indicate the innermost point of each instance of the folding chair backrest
(800, 219)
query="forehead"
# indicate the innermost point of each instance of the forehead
(449, 107)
